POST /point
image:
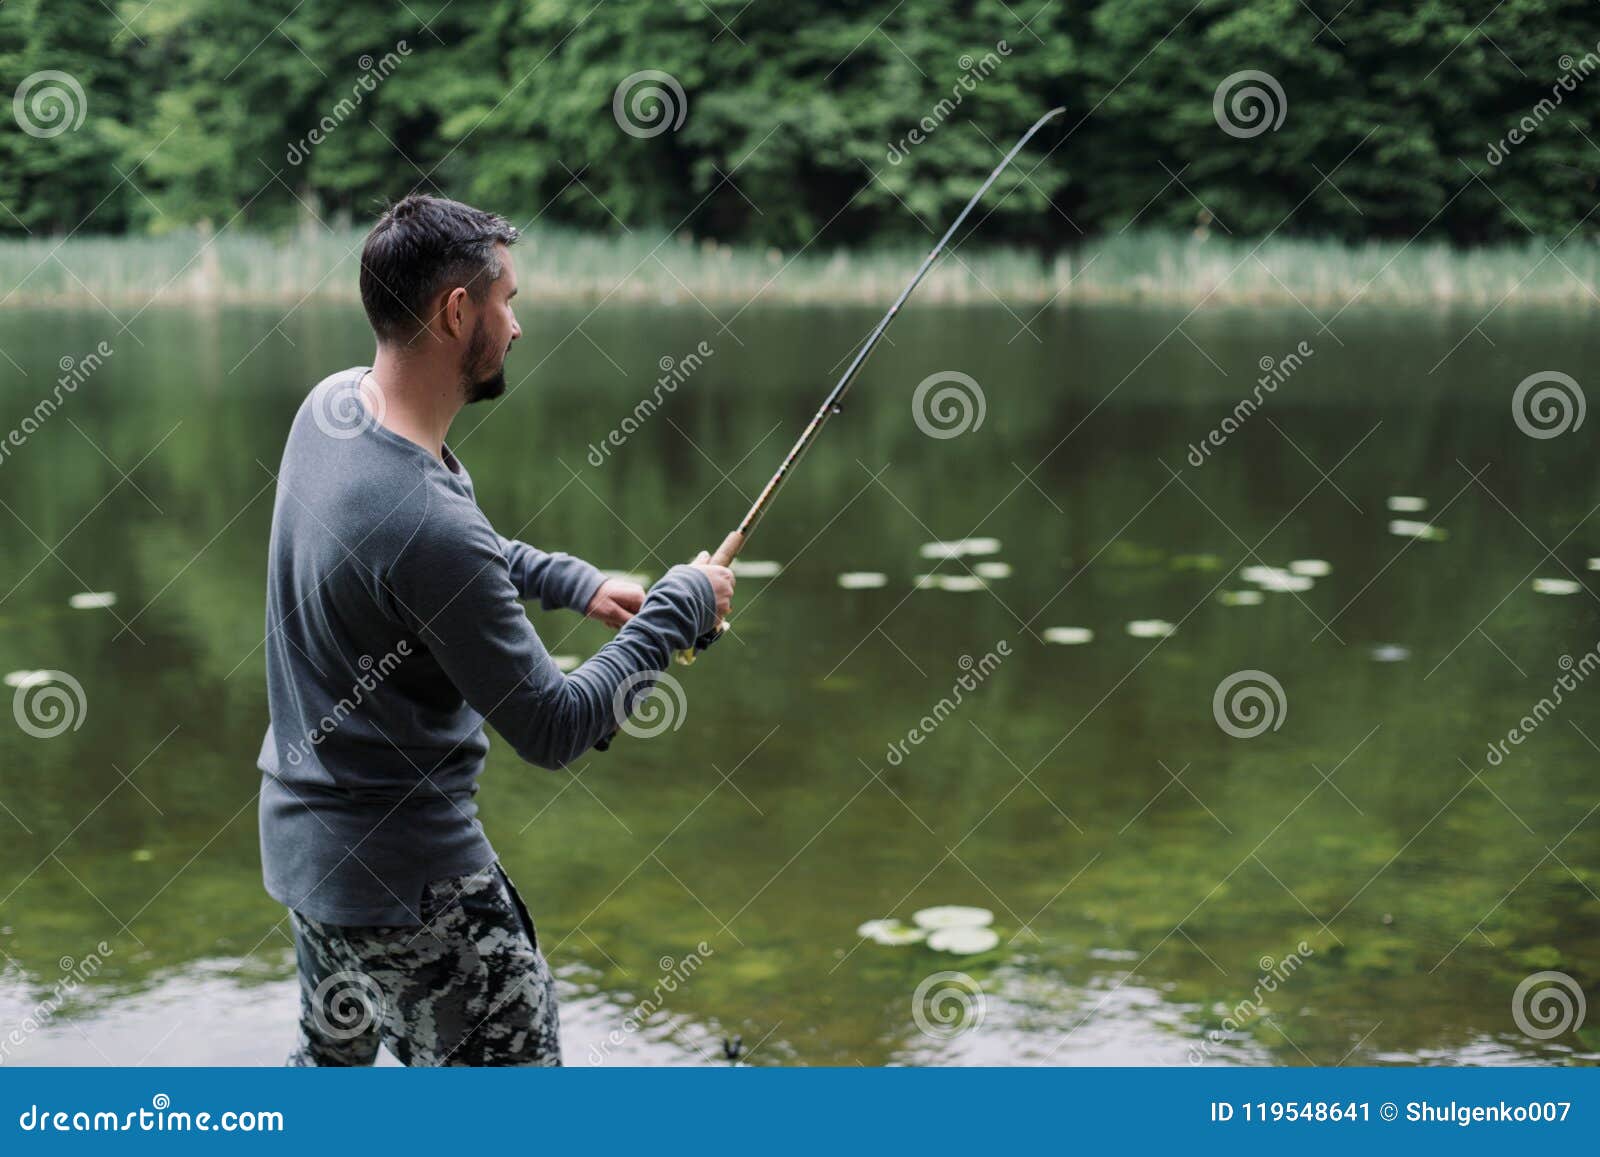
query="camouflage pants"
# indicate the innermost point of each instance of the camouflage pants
(468, 987)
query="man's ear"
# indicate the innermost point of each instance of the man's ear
(453, 315)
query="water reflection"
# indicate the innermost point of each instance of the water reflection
(1141, 861)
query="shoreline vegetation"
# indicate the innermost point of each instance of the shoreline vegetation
(193, 268)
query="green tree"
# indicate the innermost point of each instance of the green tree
(818, 123)
(67, 80)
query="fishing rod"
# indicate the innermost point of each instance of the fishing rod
(831, 405)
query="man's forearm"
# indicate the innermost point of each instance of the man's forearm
(585, 707)
(556, 579)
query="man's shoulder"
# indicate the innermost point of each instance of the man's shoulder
(344, 473)
(333, 408)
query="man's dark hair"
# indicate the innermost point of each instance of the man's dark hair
(420, 246)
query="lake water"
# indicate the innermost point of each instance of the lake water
(1358, 883)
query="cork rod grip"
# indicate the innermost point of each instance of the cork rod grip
(729, 550)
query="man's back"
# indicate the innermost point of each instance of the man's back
(394, 627)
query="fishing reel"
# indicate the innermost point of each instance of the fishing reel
(684, 658)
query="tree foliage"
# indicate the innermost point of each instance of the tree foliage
(857, 119)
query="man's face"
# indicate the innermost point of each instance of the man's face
(483, 364)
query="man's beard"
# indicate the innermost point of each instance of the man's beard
(479, 382)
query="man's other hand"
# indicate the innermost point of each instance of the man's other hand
(615, 602)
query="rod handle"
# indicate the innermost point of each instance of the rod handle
(724, 556)
(729, 550)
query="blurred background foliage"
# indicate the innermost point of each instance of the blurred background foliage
(193, 106)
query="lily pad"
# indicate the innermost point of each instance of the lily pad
(963, 941)
(1408, 528)
(1122, 552)
(958, 547)
(980, 546)
(1259, 574)
(1555, 586)
(892, 933)
(863, 580)
(1276, 579)
(1113, 954)
(952, 916)
(1067, 636)
(1240, 598)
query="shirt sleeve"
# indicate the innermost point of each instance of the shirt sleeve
(454, 587)
(556, 579)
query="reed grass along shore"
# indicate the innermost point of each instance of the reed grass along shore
(194, 267)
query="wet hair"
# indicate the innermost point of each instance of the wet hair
(421, 246)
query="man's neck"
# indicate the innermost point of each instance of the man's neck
(415, 398)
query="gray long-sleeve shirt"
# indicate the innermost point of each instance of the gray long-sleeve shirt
(394, 630)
